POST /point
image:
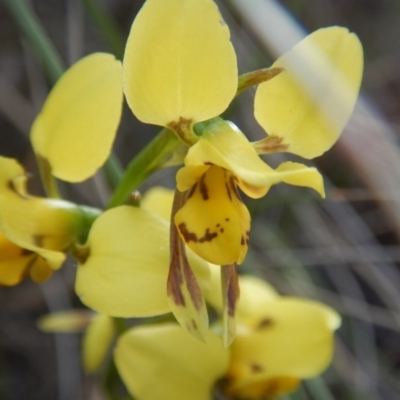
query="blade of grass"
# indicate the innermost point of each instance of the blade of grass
(29, 24)
(107, 27)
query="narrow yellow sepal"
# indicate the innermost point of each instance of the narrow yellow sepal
(77, 125)
(97, 342)
(230, 297)
(70, 321)
(179, 64)
(309, 103)
(125, 268)
(214, 222)
(185, 367)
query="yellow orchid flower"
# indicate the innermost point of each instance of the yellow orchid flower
(182, 73)
(72, 138)
(35, 232)
(280, 341)
(16, 263)
(170, 81)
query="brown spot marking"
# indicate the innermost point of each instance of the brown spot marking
(26, 252)
(233, 292)
(227, 219)
(255, 368)
(222, 230)
(265, 323)
(203, 188)
(181, 126)
(191, 191)
(218, 225)
(242, 241)
(232, 182)
(208, 163)
(187, 236)
(191, 236)
(228, 190)
(193, 325)
(271, 144)
(38, 240)
(208, 236)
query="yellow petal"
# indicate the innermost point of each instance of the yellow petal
(44, 226)
(14, 262)
(224, 145)
(213, 222)
(125, 269)
(185, 368)
(65, 321)
(309, 104)
(269, 349)
(159, 201)
(97, 342)
(76, 128)
(179, 64)
(40, 269)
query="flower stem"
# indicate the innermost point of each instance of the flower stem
(143, 165)
(48, 180)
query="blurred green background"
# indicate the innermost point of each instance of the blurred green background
(343, 250)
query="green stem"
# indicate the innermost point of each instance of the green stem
(143, 165)
(48, 180)
(30, 25)
(107, 27)
(113, 171)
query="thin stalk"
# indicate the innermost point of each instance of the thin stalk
(143, 165)
(107, 27)
(29, 24)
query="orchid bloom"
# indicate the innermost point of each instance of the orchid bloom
(72, 138)
(181, 73)
(280, 341)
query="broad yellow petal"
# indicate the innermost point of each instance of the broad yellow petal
(97, 342)
(159, 201)
(214, 222)
(184, 367)
(44, 226)
(268, 347)
(125, 268)
(309, 104)
(179, 64)
(224, 145)
(76, 128)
